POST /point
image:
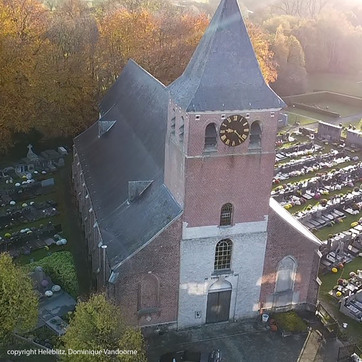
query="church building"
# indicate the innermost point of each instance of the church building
(174, 183)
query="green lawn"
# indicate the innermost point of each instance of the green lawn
(305, 118)
(40, 254)
(354, 330)
(314, 202)
(343, 109)
(339, 83)
(323, 233)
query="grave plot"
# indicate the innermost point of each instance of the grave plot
(323, 191)
(348, 292)
(25, 213)
(29, 217)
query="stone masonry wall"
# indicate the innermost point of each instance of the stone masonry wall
(329, 131)
(354, 138)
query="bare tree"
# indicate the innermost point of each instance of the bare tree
(301, 8)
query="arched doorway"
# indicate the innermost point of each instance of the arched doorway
(218, 302)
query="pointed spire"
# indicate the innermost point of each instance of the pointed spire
(223, 73)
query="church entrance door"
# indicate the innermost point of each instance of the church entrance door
(218, 302)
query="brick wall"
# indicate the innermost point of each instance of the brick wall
(244, 181)
(161, 258)
(229, 174)
(284, 240)
(196, 137)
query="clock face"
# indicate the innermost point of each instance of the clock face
(234, 130)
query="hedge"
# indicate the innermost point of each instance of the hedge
(61, 269)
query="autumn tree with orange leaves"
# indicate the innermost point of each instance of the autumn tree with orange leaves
(58, 58)
(23, 25)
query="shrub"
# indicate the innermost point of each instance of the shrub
(60, 267)
(290, 322)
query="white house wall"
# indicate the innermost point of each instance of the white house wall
(197, 271)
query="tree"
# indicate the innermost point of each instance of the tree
(301, 8)
(66, 87)
(98, 325)
(261, 45)
(18, 301)
(23, 24)
(160, 42)
(289, 56)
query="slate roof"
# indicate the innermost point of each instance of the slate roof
(132, 149)
(224, 73)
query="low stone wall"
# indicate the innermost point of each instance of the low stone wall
(354, 138)
(329, 131)
(319, 96)
(316, 110)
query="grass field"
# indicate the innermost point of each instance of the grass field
(304, 118)
(340, 83)
(343, 109)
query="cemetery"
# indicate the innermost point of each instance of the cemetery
(29, 218)
(318, 179)
(30, 228)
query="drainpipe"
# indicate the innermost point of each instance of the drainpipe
(104, 247)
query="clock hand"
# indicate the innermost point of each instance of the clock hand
(229, 130)
(238, 134)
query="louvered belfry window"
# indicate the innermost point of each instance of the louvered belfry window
(210, 136)
(226, 214)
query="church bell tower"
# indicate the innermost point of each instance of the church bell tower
(222, 122)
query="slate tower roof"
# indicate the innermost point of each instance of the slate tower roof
(223, 73)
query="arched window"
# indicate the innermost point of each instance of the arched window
(210, 136)
(226, 214)
(286, 274)
(223, 254)
(255, 135)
